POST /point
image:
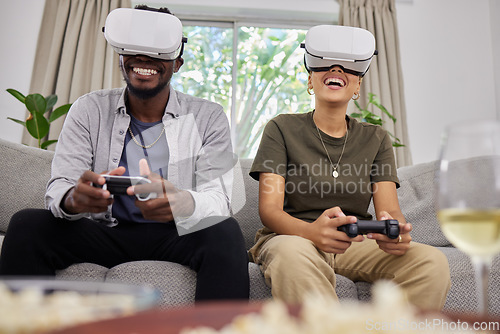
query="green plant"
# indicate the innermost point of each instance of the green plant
(37, 123)
(365, 115)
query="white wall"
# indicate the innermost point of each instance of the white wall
(447, 51)
(447, 59)
(294, 9)
(495, 35)
(19, 24)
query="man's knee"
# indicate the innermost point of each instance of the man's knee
(29, 222)
(223, 239)
(229, 227)
(26, 216)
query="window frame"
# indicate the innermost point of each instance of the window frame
(236, 25)
(235, 18)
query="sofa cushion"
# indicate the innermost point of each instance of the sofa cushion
(247, 215)
(175, 282)
(345, 288)
(417, 199)
(83, 272)
(258, 287)
(462, 297)
(25, 172)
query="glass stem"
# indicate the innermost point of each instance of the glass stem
(482, 271)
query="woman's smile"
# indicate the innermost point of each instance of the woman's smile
(335, 82)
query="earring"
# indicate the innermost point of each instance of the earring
(309, 91)
(355, 96)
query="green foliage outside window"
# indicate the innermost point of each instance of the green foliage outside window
(271, 81)
(271, 78)
(206, 72)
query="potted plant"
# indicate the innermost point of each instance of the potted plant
(365, 115)
(41, 115)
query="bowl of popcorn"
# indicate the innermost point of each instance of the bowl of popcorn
(388, 312)
(42, 305)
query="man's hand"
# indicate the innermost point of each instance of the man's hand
(397, 246)
(84, 197)
(325, 235)
(170, 201)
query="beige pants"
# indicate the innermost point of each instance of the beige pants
(293, 267)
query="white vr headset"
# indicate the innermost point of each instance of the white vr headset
(144, 32)
(329, 45)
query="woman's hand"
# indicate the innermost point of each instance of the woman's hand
(325, 235)
(398, 246)
(322, 232)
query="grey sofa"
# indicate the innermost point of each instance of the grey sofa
(25, 171)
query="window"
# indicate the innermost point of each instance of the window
(254, 72)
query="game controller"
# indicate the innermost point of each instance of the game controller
(389, 227)
(117, 185)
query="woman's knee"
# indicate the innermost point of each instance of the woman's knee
(439, 266)
(431, 257)
(432, 265)
(294, 267)
(292, 255)
(426, 277)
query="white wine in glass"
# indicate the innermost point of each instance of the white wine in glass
(469, 195)
(476, 232)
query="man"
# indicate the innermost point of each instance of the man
(179, 142)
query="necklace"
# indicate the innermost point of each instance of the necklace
(335, 173)
(145, 146)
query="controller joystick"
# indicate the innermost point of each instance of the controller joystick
(117, 185)
(389, 227)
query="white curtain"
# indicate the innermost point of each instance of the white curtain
(385, 77)
(72, 56)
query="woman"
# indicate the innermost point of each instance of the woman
(318, 171)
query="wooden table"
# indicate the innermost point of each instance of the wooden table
(211, 314)
(168, 321)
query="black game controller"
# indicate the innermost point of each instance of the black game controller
(389, 227)
(117, 185)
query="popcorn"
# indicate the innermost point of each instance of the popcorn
(388, 313)
(31, 311)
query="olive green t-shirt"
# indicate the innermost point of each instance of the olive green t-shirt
(291, 147)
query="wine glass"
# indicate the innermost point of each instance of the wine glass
(469, 195)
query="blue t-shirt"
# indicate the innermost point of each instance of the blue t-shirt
(157, 155)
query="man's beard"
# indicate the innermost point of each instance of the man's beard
(145, 94)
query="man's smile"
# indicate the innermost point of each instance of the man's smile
(146, 77)
(144, 71)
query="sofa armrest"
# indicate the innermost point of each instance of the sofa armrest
(25, 173)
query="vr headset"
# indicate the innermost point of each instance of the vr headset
(329, 45)
(144, 32)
